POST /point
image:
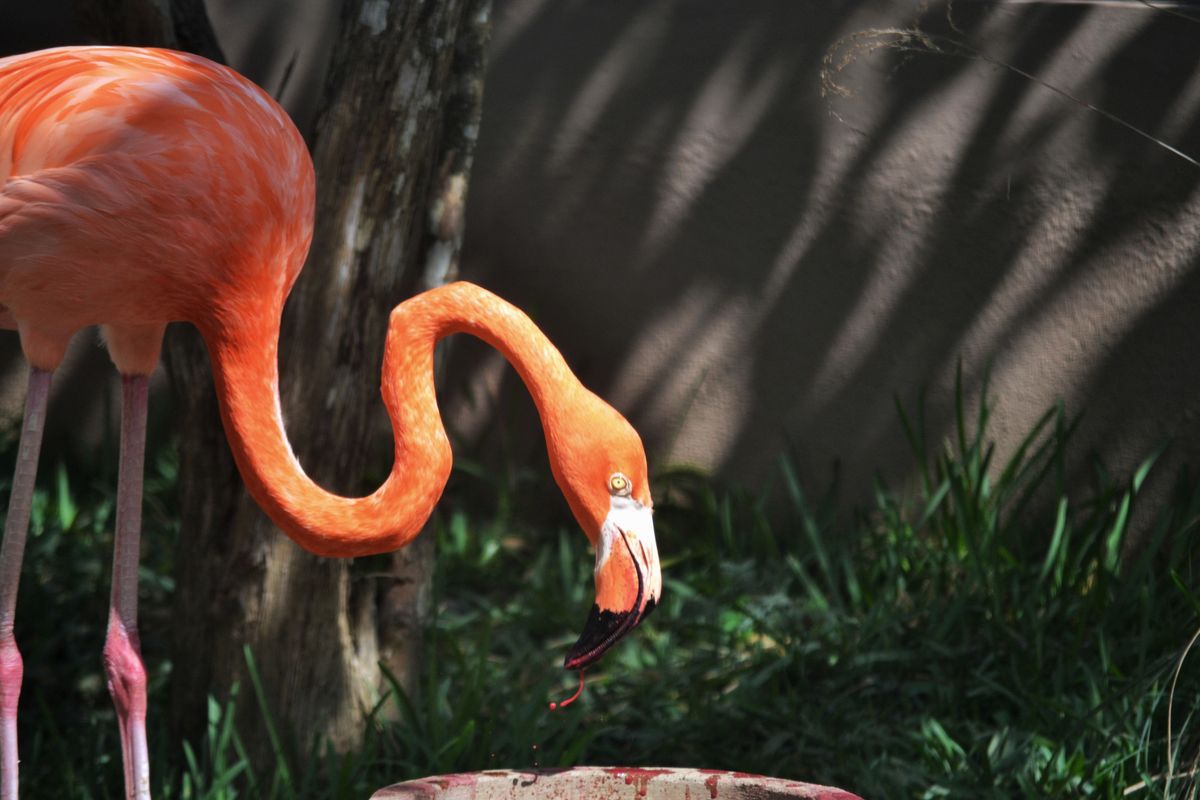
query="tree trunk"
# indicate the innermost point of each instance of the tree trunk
(392, 153)
(146, 23)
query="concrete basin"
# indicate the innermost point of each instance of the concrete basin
(608, 783)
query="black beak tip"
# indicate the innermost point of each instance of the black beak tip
(602, 630)
(650, 604)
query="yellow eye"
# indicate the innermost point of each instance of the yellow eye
(619, 484)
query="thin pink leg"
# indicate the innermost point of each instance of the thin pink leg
(16, 525)
(122, 650)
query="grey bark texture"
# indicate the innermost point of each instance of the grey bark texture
(389, 141)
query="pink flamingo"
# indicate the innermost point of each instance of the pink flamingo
(140, 187)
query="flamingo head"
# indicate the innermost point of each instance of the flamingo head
(600, 465)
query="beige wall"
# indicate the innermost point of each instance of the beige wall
(744, 266)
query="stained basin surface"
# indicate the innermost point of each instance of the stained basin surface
(608, 783)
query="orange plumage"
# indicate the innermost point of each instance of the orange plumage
(140, 187)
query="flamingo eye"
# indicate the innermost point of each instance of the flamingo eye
(619, 485)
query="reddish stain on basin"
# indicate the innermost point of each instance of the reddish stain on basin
(445, 782)
(635, 776)
(609, 783)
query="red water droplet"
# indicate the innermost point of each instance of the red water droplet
(556, 706)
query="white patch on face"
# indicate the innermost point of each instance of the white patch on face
(608, 533)
(630, 516)
(635, 521)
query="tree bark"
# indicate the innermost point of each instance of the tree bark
(145, 23)
(392, 152)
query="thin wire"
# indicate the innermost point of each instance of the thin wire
(1168, 10)
(922, 42)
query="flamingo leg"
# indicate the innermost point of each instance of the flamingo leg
(122, 649)
(16, 526)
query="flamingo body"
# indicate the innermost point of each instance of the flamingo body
(140, 187)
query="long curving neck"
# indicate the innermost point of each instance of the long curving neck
(245, 366)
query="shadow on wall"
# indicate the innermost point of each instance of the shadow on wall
(747, 267)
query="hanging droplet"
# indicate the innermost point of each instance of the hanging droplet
(556, 706)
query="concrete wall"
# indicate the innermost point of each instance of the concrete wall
(746, 267)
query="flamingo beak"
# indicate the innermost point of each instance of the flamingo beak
(628, 580)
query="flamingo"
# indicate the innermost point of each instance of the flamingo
(140, 187)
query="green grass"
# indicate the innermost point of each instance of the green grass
(986, 634)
